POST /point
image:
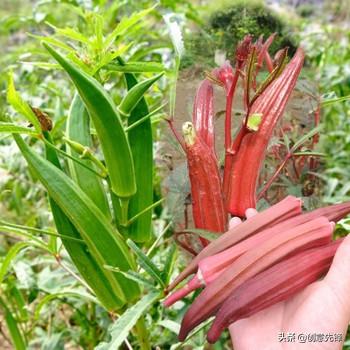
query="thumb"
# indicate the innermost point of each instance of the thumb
(338, 277)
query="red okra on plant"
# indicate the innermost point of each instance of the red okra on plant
(242, 262)
(264, 104)
(205, 190)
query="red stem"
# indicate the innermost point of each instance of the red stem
(273, 177)
(228, 132)
(276, 173)
(176, 134)
(228, 116)
(313, 161)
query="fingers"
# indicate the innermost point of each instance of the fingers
(250, 212)
(234, 222)
(338, 277)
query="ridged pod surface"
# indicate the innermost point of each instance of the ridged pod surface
(285, 209)
(109, 127)
(207, 202)
(274, 285)
(211, 267)
(310, 234)
(249, 159)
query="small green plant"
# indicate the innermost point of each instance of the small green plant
(227, 22)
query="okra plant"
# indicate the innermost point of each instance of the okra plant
(99, 174)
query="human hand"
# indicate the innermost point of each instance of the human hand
(322, 308)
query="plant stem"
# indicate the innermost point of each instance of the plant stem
(315, 139)
(228, 132)
(154, 205)
(124, 206)
(176, 134)
(73, 274)
(273, 177)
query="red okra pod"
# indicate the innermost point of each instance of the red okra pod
(285, 209)
(276, 284)
(311, 234)
(203, 113)
(207, 203)
(211, 267)
(249, 158)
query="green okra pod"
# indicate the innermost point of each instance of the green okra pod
(135, 94)
(141, 143)
(78, 130)
(108, 125)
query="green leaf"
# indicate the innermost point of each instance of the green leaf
(18, 301)
(136, 67)
(156, 117)
(38, 231)
(125, 24)
(192, 334)
(132, 275)
(121, 328)
(4, 229)
(310, 153)
(169, 264)
(13, 128)
(145, 210)
(86, 264)
(61, 295)
(171, 325)
(286, 141)
(43, 65)
(70, 33)
(147, 49)
(16, 336)
(110, 56)
(329, 102)
(54, 42)
(98, 26)
(11, 254)
(20, 106)
(209, 235)
(306, 137)
(146, 263)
